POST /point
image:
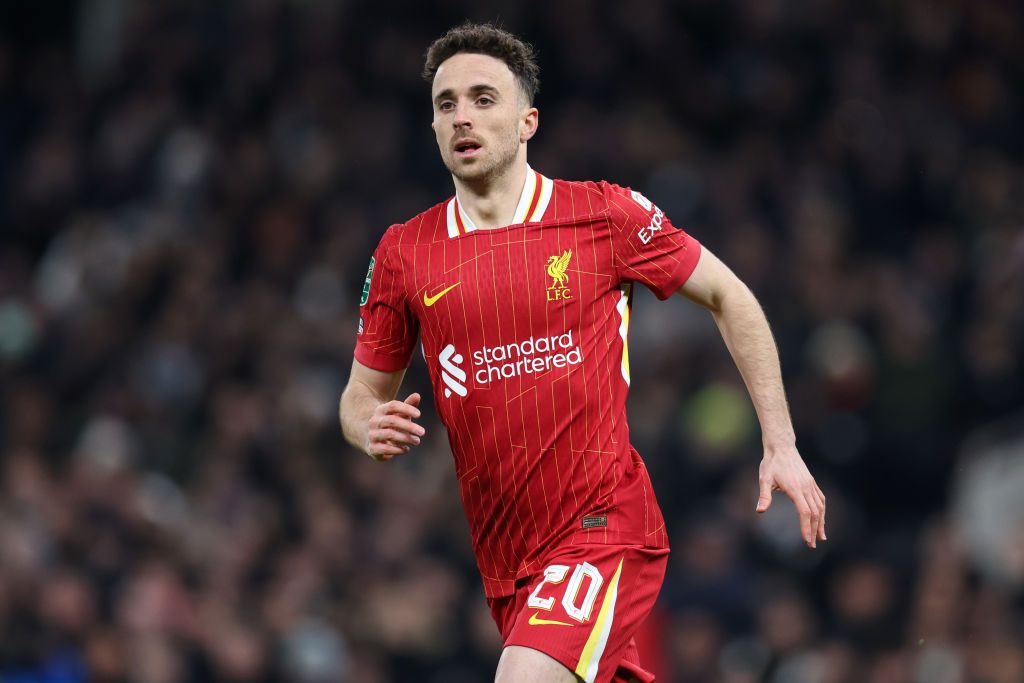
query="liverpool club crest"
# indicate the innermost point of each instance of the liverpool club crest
(557, 265)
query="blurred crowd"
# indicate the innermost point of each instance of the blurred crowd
(189, 196)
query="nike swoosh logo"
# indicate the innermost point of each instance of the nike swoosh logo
(431, 300)
(535, 621)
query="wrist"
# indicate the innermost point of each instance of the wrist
(777, 445)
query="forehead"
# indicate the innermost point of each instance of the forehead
(464, 70)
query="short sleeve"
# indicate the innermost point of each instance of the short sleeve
(647, 248)
(387, 327)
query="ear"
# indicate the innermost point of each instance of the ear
(528, 122)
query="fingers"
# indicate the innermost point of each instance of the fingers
(392, 430)
(813, 519)
(395, 436)
(816, 502)
(398, 416)
(808, 524)
(821, 523)
(810, 510)
(396, 423)
(765, 499)
(384, 451)
(811, 507)
(403, 408)
(785, 470)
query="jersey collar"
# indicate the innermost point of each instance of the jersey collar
(533, 202)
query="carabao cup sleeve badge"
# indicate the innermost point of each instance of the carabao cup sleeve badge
(366, 285)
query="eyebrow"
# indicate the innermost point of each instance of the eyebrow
(473, 90)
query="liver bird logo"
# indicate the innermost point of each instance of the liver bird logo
(556, 269)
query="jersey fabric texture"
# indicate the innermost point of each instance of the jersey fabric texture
(524, 331)
(584, 608)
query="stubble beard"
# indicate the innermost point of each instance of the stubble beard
(483, 172)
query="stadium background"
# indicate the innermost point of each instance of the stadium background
(190, 193)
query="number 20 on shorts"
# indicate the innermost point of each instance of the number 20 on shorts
(554, 575)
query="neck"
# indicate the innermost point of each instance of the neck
(491, 203)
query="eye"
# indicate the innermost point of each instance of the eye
(446, 106)
(484, 100)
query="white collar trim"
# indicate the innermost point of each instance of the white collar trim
(537, 191)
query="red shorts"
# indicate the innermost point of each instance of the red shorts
(584, 608)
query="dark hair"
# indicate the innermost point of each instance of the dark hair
(487, 39)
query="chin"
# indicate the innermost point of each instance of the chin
(479, 169)
(471, 171)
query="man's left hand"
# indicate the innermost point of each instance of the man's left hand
(784, 470)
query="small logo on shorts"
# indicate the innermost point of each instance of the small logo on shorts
(591, 522)
(537, 621)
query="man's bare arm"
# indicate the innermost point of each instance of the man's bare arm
(372, 420)
(748, 337)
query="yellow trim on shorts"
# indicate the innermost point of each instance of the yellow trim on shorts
(587, 667)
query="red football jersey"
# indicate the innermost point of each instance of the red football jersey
(524, 331)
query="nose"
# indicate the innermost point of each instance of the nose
(461, 118)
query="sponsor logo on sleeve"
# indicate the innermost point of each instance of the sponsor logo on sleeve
(366, 285)
(646, 234)
(641, 200)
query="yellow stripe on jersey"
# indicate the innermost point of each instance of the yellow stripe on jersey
(531, 188)
(594, 649)
(623, 306)
(545, 186)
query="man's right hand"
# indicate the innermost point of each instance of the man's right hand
(392, 430)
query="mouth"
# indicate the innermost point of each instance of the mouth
(466, 148)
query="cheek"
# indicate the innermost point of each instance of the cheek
(517, 130)
(505, 127)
